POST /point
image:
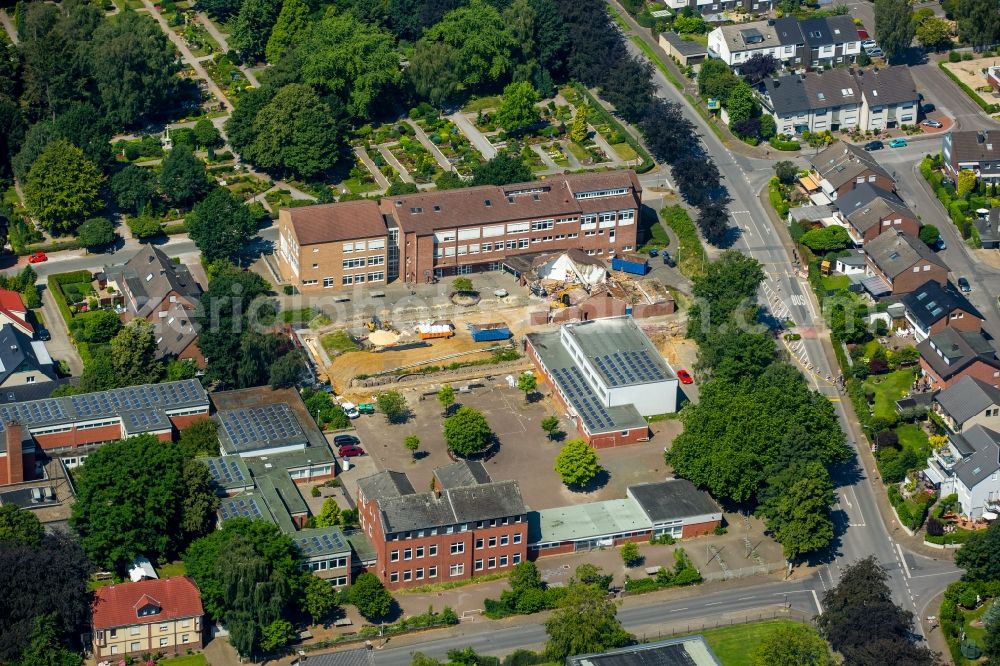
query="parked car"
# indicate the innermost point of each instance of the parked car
(668, 260)
(932, 123)
(927, 108)
(43, 334)
(351, 451)
(875, 52)
(939, 244)
(874, 145)
(351, 410)
(863, 35)
(963, 284)
(346, 440)
(654, 252)
(898, 142)
(366, 408)
(684, 376)
(867, 43)
(37, 258)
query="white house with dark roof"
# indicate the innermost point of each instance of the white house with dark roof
(975, 150)
(970, 402)
(890, 98)
(969, 466)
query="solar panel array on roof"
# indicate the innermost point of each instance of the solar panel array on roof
(269, 423)
(240, 507)
(325, 542)
(629, 367)
(586, 404)
(225, 470)
(144, 421)
(35, 411)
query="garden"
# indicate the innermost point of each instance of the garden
(227, 75)
(447, 137)
(961, 198)
(966, 611)
(416, 159)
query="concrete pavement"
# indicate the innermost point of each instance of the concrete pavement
(8, 26)
(380, 178)
(60, 347)
(477, 138)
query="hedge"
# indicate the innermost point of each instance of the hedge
(988, 108)
(958, 536)
(53, 246)
(777, 200)
(908, 518)
(781, 144)
(55, 283)
(602, 116)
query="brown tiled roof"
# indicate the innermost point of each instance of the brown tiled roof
(895, 253)
(338, 221)
(426, 212)
(843, 162)
(118, 605)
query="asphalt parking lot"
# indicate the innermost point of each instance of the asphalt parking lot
(524, 452)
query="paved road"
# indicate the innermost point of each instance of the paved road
(788, 297)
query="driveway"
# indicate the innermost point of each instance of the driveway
(60, 346)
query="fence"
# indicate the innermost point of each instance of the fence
(688, 627)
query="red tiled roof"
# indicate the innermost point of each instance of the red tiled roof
(118, 605)
(12, 307)
(335, 222)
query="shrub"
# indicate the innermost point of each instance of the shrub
(969, 598)
(782, 144)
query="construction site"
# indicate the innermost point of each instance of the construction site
(559, 287)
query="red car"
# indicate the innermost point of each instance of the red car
(350, 451)
(862, 34)
(683, 375)
(37, 258)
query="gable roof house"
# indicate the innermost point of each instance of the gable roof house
(13, 312)
(988, 226)
(830, 41)
(146, 617)
(900, 263)
(812, 102)
(977, 150)
(948, 356)
(868, 210)
(932, 307)
(163, 293)
(969, 466)
(23, 360)
(843, 166)
(967, 403)
(890, 97)
(735, 44)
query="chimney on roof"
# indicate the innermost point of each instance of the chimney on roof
(15, 463)
(981, 136)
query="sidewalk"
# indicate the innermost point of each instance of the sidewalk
(8, 25)
(224, 45)
(477, 138)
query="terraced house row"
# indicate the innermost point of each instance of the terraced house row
(419, 238)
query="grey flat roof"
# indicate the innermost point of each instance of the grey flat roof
(321, 542)
(455, 505)
(685, 651)
(687, 47)
(619, 351)
(586, 521)
(355, 657)
(462, 473)
(188, 393)
(596, 417)
(672, 500)
(228, 472)
(268, 426)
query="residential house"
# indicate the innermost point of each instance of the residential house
(933, 307)
(840, 99)
(969, 402)
(448, 534)
(684, 51)
(735, 44)
(70, 427)
(843, 166)
(890, 97)
(608, 375)
(708, 7)
(976, 150)
(969, 466)
(23, 360)
(853, 263)
(426, 236)
(147, 617)
(831, 40)
(13, 312)
(988, 227)
(812, 102)
(867, 211)
(163, 293)
(899, 263)
(948, 356)
(793, 44)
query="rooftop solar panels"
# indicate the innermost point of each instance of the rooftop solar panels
(37, 411)
(595, 417)
(249, 429)
(243, 506)
(322, 543)
(629, 367)
(145, 420)
(227, 471)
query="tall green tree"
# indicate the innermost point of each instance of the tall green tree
(467, 432)
(503, 169)
(17, 524)
(517, 107)
(795, 504)
(199, 438)
(446, 397)
(978, 555)
(240, 126)
(96, 232)
(432, 73)
(222, 320)
(134, 498)
(728, 285)
(290, 29)
(978, 22)
(348, 59)
(220, 225)
(893, 25)
(252, 28)
(934, 33)
(741, 103)
(132, 188)
(370, 597)
(206, 134)
(133, 66)
(45, 648)
(585, 622)
(577, 464)
(295, 132)
(792, 645)
(182, 177)
(320, 598)
(63, 188)
(133, 354)
(393, 405)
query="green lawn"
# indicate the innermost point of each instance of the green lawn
(891, 388)
(625, 151)
(734, 645)
(172, 569)
(186, 660)
(338, 342)
(578, 151)
(836, 282)
(300, 316)
(481, 103)
(913, 437)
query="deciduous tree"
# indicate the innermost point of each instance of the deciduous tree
(630, 554)
(133, 352)
(934, 33)
(929, 234)
(446, 397)
(411, 444)
(62, 188)
(20, 525)
(786, 172)
(252, 28)
(669, 134)
(978, 22)
(796, 506)
(432, 72)
(716, 80)
(792, 645)
(393, 405)
(517, 107)
(199, 438)
(370, 597)
(182, 177)
(585, 622)
(132, 188)
(467, 432)
(893, 25)
(550, 425)
(978, 554)
(220, 225)
(826, 239)
(503, 169)
(966, 182)
(577, 464)
(96, 232)
(741, 103)
(758, 67)
(290, 29)
(320, 598)
(295, 132)
(240, 126)
(527, 383)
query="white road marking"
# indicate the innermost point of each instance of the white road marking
(902, 559)
(819, 608)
